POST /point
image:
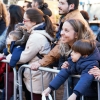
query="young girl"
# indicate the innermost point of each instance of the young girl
(84, 56)
(15, 46)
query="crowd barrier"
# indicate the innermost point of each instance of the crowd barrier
(18, 81)
(47, 70)
(15, 81)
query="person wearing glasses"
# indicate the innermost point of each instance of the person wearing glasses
(41, 33)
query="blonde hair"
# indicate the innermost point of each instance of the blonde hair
(82, 33)
(3, 13)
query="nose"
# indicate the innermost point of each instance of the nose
(62, 32)
(58, 5)
(71, 53)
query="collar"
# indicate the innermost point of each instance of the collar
(35, 27)
(70, 15)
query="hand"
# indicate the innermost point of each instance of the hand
(96, 72)
(1, 55)
(65, 65)
(35, 65)
(46, 91)
(8, 57)
(72, 97)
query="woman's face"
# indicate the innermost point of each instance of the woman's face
(27, 23)
(68, 35)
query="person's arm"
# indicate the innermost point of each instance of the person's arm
(48, 59)
(59, 79)
(83, 84)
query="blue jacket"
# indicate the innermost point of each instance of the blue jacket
(16, 52)
(82, 66)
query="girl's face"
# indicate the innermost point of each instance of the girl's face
(75, 56)
(68, 35)
(27, 23)
(9, 39)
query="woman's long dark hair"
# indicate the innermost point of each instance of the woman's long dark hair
(16, 16)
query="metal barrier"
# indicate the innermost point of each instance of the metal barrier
(15, 80)
(47, 70)
(18, 81)
(20, 78)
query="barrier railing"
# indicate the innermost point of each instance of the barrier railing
(18, 81)
(15, 81)
(47, 70)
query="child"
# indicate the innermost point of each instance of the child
(84, 56)
(15, 43)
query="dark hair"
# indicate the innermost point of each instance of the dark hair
(29, 4)
(84, 46)
(44, 7)
(36, 15)
(16, 16)
(16, 34)
(85, 15)
(75, 2)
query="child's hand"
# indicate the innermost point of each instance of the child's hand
(72, 97)
(65, 65)
(8, 57)
(46, 91)
(1, 55)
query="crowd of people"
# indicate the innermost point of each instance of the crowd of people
(28, 36)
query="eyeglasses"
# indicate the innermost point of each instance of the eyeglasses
(26, 20)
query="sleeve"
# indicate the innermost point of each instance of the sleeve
(51, 57)
(33, 46)
(84, 83)
(59, 79)
(15, 56)
(85, 79)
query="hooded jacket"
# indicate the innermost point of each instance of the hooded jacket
(81, 67)
(38, 42)
(16, 51)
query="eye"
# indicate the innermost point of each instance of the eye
(66, 30)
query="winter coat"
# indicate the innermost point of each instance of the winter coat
(81, 67)
(54, 54)
(16, 51)
(38, 42)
